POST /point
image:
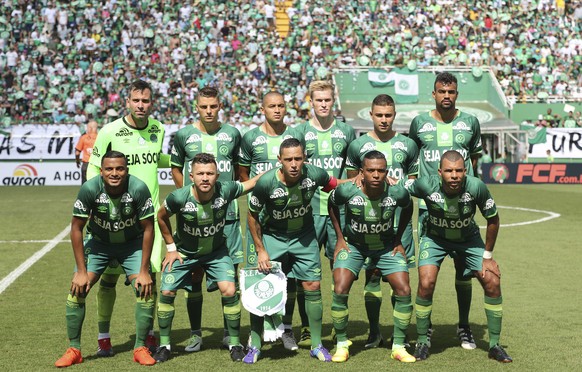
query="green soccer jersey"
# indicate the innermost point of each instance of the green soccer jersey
(224, 145)
(259, 151)
(451, 218)
(286, 209)
(326, 149)
(114, 220)
(368, 222)
(200, 226)
(434, 138)
(400, 151)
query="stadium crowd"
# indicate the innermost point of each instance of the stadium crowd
(69, 61)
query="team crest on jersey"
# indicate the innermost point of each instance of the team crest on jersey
(465, 198)
(398, 145)
(436, 197)
(153, 138)
(189, 207)
(338, 147)
(338, 134)
(427, 127)
(260, 140)
(278, 193)
(223, 137)
(80, 206)
(387, 214)
(399, 157)
(388, 202)
(460, 138)
(467, 209)
(307, 183)
(255, 201)
(127, 210)
(220, 214)
(490, 203)
(358, 200)
(218, 203)
(148, 204)
(123, 132)
(461, 125)
(126, 198)
(193, 138)
(367, 147)
(310, 136)
(223, 150)
(102, 199)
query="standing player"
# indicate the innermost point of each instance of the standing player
(140, 138)
(199, 242)
(401, 155)
(259, 153)
(281, 225)
(85, 147)
(435, 132)
(326, 144)
(223, 142)
(120, 212)
(452, 198)
(368, 234)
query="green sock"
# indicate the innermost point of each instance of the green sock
(166, 312)
(423, 310)
(231, 310)
(401, 315)
(106, 295)
(194, 301)
(373, 302)
(340, 315)
(144, 317)
(75, 314)
(494, 313)
(256, 330)
(314, 309)
(464, 288)
(292, 293)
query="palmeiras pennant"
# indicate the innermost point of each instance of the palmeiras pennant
(263, 294)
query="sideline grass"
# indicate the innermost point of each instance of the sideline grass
(539, 263)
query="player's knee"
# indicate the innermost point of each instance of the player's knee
(168, 293)
(401, 289)
(228, 289)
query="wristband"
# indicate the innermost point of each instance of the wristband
(487, 255)
(171, 247)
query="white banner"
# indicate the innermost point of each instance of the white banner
(52, 174)
(49, 142)
(562, 143)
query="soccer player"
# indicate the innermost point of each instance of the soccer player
(326, 144)
(259, 152)
(401, 155)
(368, 233)
(140, 138)
(452, 198)
(435, 132)
(201, 210)
(281, 225)
(85, 147)
(120, 212)
(223, 141)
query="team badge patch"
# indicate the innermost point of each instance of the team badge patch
(263, 294)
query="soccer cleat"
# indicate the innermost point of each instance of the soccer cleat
(162, 354)
(104, 349)
(151, 343)
(71, 356)
(194, 344)
(288, 339)
(321, 353)
(143, 356)
(252, 355)
(499, 354)
(466, 337)
(374, 341)
(237, 353)
(421, 352)
(342, 354)
(402, 355)
(429, 333)
(305, 338)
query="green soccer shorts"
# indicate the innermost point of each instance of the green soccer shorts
(381, 259)
(325, 233)
(433, 250)
(127, 256)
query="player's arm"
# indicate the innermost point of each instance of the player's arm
(164, 160)
(144, 279)
(489, 264)
(334, 216)
(405, 217)
(80, 284)
(352, 173)
(177, 177)
(244, 172)
(263, 260)
(250, 184)
(166, 230)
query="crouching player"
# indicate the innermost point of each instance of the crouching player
(121, 218)
(368, 233)
(199, 241)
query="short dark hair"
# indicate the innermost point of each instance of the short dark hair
(373, 154)
(270, 94)
(451, 155)
(203, 158)
(141, 85)
(208, 92)
(290, 142)
(383, 100)
(446, 78)
(112, 154)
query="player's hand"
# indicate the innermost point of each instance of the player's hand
(144, 280)
(170, 258)
(490, 267)
(391, 181)
(80, 284)
(357, 180)
(78, 164)
(398, 248)
(340, 245)
(264, 261)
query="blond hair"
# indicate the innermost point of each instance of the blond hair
(319, 85)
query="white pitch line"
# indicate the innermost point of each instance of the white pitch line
(5, 283)
(28, 241)
(551, 215)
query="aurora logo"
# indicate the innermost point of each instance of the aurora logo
(24, 175)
